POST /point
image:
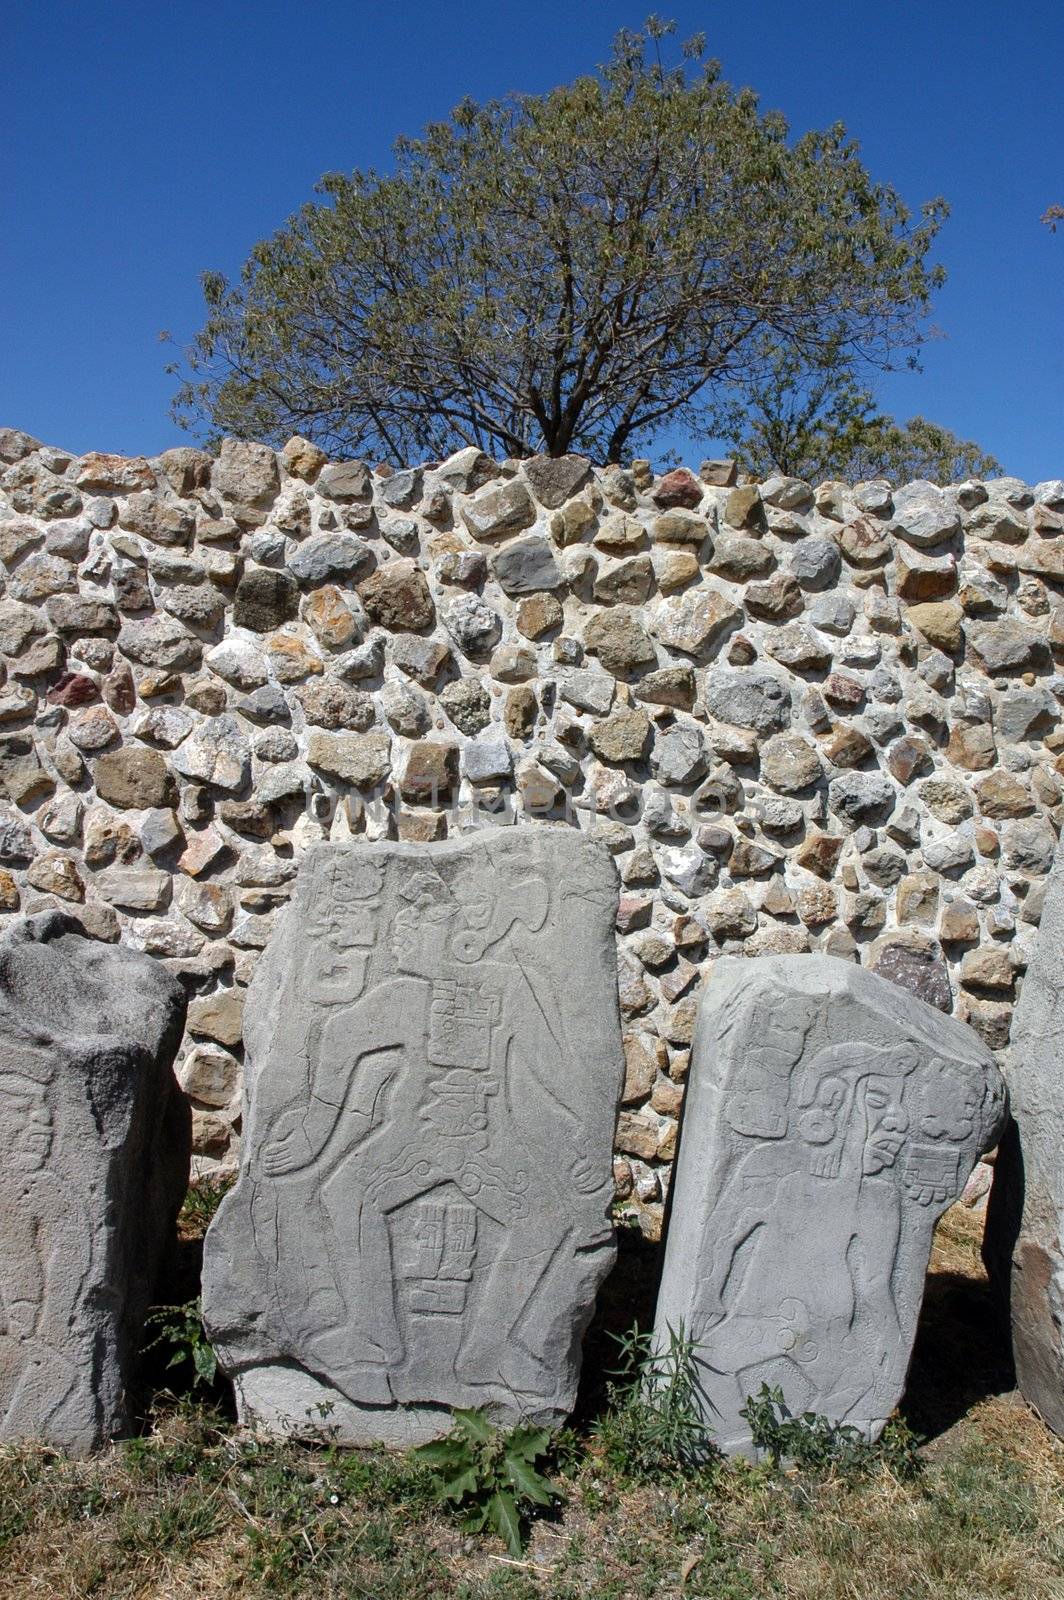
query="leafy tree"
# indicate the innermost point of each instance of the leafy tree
(824, 424)
(563, 271)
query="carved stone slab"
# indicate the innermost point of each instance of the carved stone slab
(830, 1119)
(421, 1218)
(94, 1158)
(1025, 1225)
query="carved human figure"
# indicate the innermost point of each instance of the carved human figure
(443, 1127)
(815, 1195)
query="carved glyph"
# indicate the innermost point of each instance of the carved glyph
(421, 1218)
(830, 1119)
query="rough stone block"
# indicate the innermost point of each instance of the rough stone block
(829, 1121)
(94, 1162)
(421, 1219)
(1025, 1226)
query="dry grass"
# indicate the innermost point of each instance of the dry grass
(200, 1511)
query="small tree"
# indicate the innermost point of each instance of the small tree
(825, 424)
(563, 271)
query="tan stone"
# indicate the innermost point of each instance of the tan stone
(361, 759)
(218, 1016)
(946, 798)
(624, 736)
(820, 853)
(916, 898)
(302, 459)
(940, 622)
(429, 771)
(292, 658)
(55, 873)
(1001, 794)
(816, 904)
(971, 746)
(329, 617)
(539, 614)
(520, 712)
(959, 923)
(989, 967)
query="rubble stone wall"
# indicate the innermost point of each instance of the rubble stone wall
(803, 717)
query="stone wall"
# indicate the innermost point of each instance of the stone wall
(803, 718)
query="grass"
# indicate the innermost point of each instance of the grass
(200, 1510)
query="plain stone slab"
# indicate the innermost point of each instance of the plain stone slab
(830, 1119)
(1024, 1246)
(434, 1068)
(94, 1161)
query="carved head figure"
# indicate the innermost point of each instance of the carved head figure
(25, 1123)
(854, 1092)
(420, 931)
(442, 923)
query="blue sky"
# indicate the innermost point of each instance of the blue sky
(143, 143)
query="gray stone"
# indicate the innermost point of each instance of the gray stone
(344, 480)
(159, 642)
(862, 797)
(471, 623)
(421, 1219)
(816, 563)
(1024, 1246)
(526, 567)
(265, 704)
(679, 756)
(330, 555)
(497, 513)
(487, 760)
(589, 691)
(403, 534)
(748, 699)
(555, 479)
(924, 515)
(467, 470)
(402, 490)
(468, 704)
(93, 1169)
(406, 709)
(828, 1123)
(1007, 647)
(218, 752)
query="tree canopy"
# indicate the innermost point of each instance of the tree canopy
(567, 271)
(825, 424)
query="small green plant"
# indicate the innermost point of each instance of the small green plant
(815, 1443)
(181, 1329)
(653, 1423)
(202, 1200)
(492, 1477)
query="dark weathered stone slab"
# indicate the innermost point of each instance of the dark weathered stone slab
(830, 1119)
(1025, 1225)
(94, 1156)
(421, 1219)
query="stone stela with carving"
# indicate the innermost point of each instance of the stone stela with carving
(830, 1119)
(421, 1217)
(94, 1159)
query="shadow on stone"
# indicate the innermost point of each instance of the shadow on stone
(626, 1300)
(961, 1355)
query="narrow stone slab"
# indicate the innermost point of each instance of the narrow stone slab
(434, 1068)
(830, 1119)
(94, 1156)
(1024, 1246)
